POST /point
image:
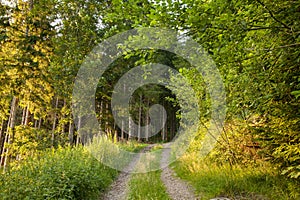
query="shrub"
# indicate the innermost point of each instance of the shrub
(65, 173)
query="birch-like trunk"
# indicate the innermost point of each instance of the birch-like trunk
(36, 123)
(54, 123)
(2, 137)
(101, 117)
(23, 116)
(27, 116)
(147, 121)
(106, 121)
(122, 130)
(78, 133)
(40, 123)
(63, 117)
(140, 118)
(163, 129)
(10, 132)
(130, 130)
(71, 132)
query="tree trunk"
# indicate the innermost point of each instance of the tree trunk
(130, 130)
(40, 123)
(140, 118)
(71, 133)
(2, 137)
(163, 129)
(10, 132)
(147, 121)
(63, 117)
(106, 121)
(36, 123)
(122, 130)
(78, 133)
(23, 116)
(54, 123)
(27, 115)
(101, 117)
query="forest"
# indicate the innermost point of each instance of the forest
(64, 137)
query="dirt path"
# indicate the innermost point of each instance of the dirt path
(118, 190)
(176, 188)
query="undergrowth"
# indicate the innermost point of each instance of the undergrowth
(259, 181)
(64, 173)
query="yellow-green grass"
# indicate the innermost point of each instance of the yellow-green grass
(260, 181)
(148, 186)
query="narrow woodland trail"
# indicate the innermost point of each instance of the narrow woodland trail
(176, 188)
(119, 190)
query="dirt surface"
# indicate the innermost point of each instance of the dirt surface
(118, 190)
(176, 188)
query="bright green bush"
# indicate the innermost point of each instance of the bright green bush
(65, 173)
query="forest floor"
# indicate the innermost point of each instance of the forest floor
(176, 188)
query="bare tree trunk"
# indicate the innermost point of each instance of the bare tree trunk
(54, 123)
(27, 115)
(173, 117)
(122, 130)
(101, 116)
(130, 131)
(10, 132)
(163, 129)
(106, 121)
(2, 138)
(71, 132)
(140, 118)
(123, 123)
(5, 141)
(147, 121)
(40, 123)
(78, 133)
(23, 116)
(35, 123)
(63, 117)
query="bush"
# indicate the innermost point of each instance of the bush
(65, 173)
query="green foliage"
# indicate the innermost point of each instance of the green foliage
(29, 141)
(255, 45)
(65, 173)
(237, 145)
(285, 145)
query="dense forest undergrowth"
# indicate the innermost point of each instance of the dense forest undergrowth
(254, 45)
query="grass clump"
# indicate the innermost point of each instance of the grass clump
(132, 146)
(260, 181)
(148, 186)
(65, 173)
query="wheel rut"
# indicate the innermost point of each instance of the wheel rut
(119, 188)
(176, 188)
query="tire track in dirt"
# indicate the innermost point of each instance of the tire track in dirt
(119, 188)
(176, 188)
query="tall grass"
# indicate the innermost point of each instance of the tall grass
(260, 181)
(148, 186)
